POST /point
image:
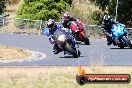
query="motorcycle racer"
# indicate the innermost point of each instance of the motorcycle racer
(66, 19)
(52, 28)
(106, 27)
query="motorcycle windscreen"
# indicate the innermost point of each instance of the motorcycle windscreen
(75, 24)
(57, 33)
(117, 30)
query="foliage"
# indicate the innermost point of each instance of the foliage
(2, 5)
(101, 3)
(4, 2)
(97, 16)
(42, 9)
(124, 9)
(69, 1)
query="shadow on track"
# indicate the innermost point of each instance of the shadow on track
(119, 48)
(70, 57)
(84, 44)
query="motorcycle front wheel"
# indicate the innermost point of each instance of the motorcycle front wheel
(71, 50)
(126, 40)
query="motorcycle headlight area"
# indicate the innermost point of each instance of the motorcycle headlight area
(62, 38)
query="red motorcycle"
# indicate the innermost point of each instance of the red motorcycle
(78, 32)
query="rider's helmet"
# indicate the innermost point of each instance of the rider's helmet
(66, 15)
(50, 24)
(106, 19)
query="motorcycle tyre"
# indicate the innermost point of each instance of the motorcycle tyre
(71, 50)
(125, 39)
(86, 40)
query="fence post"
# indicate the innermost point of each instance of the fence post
(3, 21)
(41, 27)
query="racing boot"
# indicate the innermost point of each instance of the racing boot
(109, 43)
(109, 40)
(56, 49)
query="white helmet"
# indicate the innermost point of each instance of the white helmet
(66, 15)
(50, 23)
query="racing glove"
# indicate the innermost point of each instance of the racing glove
(51, 40)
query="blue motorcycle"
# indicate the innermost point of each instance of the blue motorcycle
(119, 36)
(66, 42)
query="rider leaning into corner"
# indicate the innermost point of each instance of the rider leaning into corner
(52, 26)
(106, 27)
(66, 22)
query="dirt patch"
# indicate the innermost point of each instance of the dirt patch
(10, 53)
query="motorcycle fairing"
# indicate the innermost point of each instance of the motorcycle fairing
(118, 30)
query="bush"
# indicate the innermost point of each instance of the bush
(97, 16)
(42, 9)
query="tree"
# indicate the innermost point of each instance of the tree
(42, 9)
(2, 5)
(101, 3)
(4, 2)
(97, 15)
(124, 9)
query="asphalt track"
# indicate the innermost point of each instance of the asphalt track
(98, 53)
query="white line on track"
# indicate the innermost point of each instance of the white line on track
(35, 56)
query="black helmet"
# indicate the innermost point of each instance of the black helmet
(106, 18)
(50, 23)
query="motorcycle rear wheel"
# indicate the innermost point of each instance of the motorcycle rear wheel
(86, 40)
(121, 46)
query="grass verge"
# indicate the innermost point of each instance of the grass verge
(56, 77)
